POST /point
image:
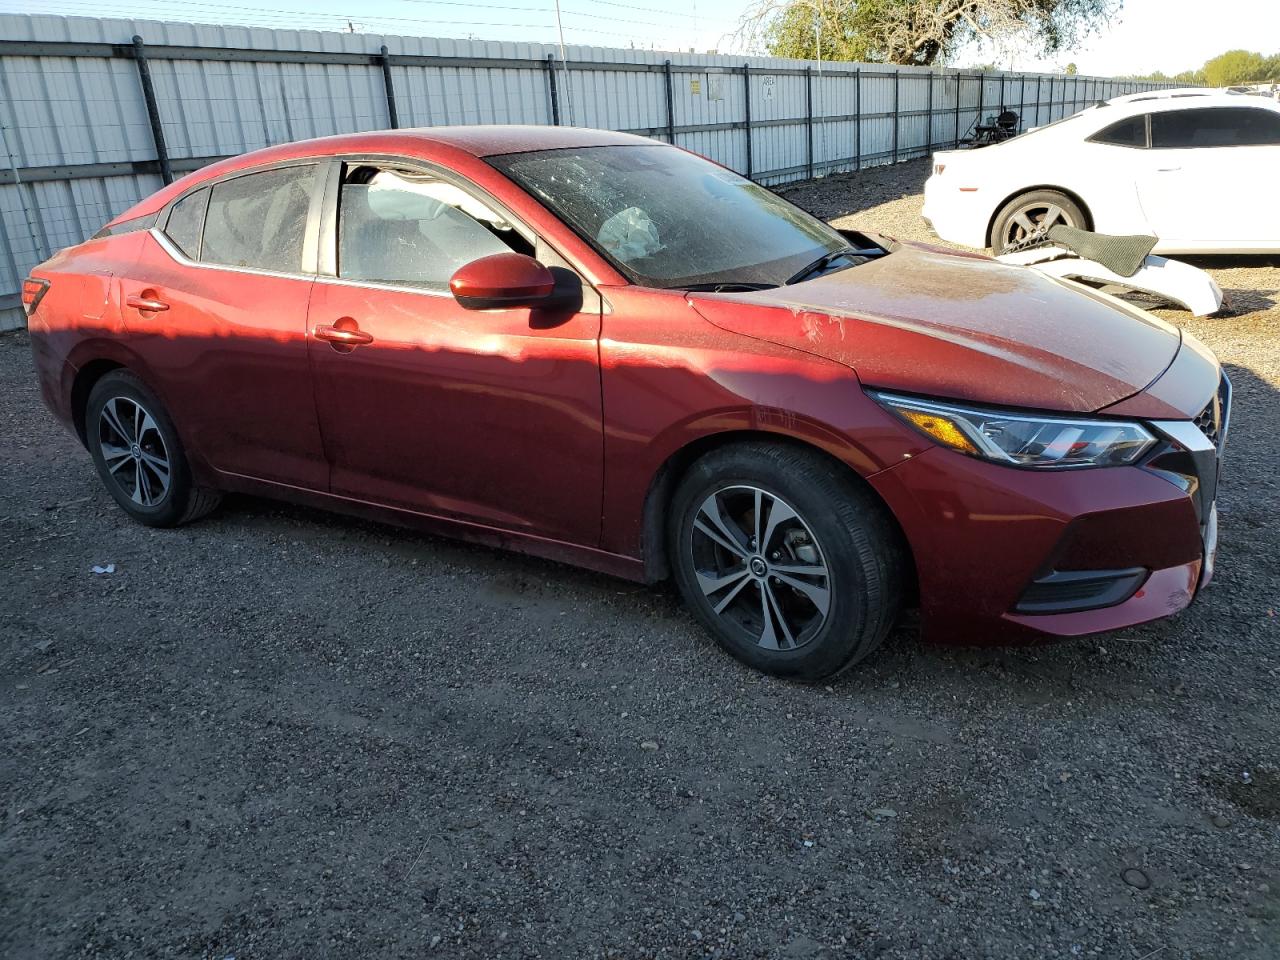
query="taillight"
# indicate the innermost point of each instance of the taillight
(33, 291)
(938, 168)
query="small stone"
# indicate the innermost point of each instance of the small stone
(1034, 894)
(1136, 878)
(883, 813)
(649, 745)
(1220, 821)
(44, 645)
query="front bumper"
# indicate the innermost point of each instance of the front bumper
(1005, 555)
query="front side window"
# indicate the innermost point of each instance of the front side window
(186, 222)
(1215, 127)
(403, 226)
(260, 220)
(1124, 133)
(667, 218)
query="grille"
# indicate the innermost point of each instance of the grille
(1213, 418)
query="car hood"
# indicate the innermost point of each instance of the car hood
(925, 320)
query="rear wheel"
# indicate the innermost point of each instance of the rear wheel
(1031, 214)
(139, 456)
(792, 566)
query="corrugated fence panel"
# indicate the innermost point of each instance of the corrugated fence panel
(79, 146)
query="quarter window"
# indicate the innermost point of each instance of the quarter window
(1124, 133)
(186, 222)
(401, 226)
(260, 220)
(1215, 127)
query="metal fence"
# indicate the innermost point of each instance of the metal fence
(96, 114)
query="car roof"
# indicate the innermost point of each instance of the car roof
(428, 142)
(478, 141)
(1183, 97)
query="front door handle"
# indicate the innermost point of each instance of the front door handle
(1168, 169)
(343, 335)
(145, 304)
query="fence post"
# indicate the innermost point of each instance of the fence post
(1002, 78)
(153, 109)
(959, 83)
(746, 90)
(897, 75)
(385, 58)
(808, 113)
(857, 118)
(928, 150)
(982, 94)
(551, 89)
(671, 110)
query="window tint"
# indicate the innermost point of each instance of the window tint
(405, 227)
(1126, 133)
(259, 220)
(1215, 127)
(186, 221)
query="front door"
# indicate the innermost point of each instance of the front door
(492, 417)
(1209, 176)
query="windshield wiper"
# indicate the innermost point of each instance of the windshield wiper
(827, 259)
(725, 286)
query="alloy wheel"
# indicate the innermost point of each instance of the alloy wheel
(1034, 220)
(760, 567)
(134, 451)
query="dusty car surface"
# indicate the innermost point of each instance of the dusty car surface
(1192, 167)
(591, 347)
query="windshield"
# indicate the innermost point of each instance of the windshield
(667, 218)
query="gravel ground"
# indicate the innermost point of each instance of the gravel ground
(280, 734)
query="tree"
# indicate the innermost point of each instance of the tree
(921, 32)
(1071, 70)
(1235, 66)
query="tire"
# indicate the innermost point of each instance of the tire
(1033, 208)
(138, 454)
(815, 624)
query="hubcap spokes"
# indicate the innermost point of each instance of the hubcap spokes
(760, 567)
(1031, 221)
(134, 451)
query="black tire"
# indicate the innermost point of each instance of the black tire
(838, 521)
(1034, 206)
(137, 484)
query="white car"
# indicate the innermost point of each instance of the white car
(1199, 169)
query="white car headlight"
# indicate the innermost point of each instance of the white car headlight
(1022, 439)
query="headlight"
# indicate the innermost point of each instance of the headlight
(1022, 439)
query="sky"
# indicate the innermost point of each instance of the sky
(1148, 35)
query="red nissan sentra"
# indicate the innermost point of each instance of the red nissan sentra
(596, 348)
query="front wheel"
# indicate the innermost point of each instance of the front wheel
(139, 456)
(791, 564)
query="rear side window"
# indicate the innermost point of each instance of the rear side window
(1124, 133)
(259, 220)
(400, 226)
(186, 222)
(1215, 127)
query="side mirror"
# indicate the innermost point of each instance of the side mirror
(503, 281)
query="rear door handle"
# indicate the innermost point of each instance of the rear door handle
(145, 304)
(344, 336)
(1167, 169)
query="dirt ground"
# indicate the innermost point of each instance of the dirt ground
(279, 734)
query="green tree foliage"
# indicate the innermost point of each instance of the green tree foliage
(1235, 66)
(1071, 70)
(919, 32)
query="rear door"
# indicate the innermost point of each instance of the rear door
(217, 305)
(492, 417)
(1212, 176)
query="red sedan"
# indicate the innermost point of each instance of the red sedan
(592, 347)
